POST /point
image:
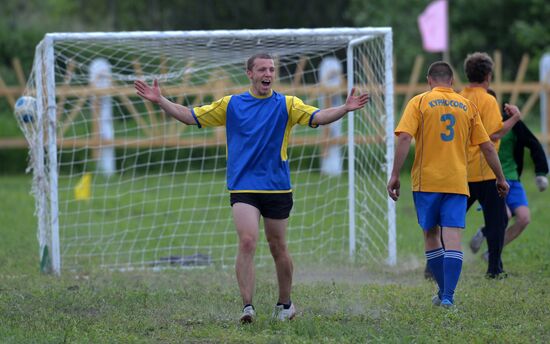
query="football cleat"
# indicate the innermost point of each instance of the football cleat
(248, 314)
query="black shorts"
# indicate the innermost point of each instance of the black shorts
(270, 205)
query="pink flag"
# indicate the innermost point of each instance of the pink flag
(433, 27)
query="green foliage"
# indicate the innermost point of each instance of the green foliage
(8, 123)
(14, 161)
(518, 27)
(514, 27)
(21, 46)
(67, 15)
(401, 16)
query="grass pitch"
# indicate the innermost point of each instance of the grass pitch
(338, 302)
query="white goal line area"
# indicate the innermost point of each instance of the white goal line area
(118, 184)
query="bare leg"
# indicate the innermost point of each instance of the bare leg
(275, 232)
(452, 237)
(432, 239)
(523, 217)
(247, 222)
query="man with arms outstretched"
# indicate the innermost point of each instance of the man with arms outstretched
(258, 124)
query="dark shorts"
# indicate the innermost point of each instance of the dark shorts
(270, 205)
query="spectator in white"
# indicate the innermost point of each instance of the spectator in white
(330, 76)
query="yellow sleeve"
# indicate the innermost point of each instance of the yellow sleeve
(300, 113)
(492, 120)
(212, 115)
(478, 134)
(410, 119)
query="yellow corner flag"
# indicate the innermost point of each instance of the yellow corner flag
(83, 189)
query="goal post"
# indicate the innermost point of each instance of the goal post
(163, 202)
(389, 139)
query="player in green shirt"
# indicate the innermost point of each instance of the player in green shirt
(511, 151)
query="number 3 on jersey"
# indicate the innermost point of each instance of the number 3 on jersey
(450, 134)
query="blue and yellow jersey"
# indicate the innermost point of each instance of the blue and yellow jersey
(489, 112)
(443, 124)
(258, 130)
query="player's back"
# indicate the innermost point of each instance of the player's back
(444, 122)
(489, 112)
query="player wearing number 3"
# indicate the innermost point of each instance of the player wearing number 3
(443, 124)
(258, 123)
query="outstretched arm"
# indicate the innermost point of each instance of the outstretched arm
(332, 114)
(153, 94)
(490, 153)
(401, 151)
(514, 116)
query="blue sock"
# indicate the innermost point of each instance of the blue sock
(435, 264)
(452, 265)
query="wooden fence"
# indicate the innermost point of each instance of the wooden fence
(507, 90)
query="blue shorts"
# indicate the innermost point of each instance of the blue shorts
(516, 196)
(443, 209)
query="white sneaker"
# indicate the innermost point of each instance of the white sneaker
(477, 240)
(282, 314)
(248, 314)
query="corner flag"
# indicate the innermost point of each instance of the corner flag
(433, 24)
(83, 189)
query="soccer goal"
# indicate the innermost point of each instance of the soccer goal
(120, 185)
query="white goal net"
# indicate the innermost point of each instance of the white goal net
(120, 185)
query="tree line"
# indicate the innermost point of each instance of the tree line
(514, 27)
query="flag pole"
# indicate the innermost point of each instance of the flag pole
(446, 52)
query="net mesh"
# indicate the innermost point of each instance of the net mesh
(137, 189)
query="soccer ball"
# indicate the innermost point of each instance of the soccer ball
(25, 108)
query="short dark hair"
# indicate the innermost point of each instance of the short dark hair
(251, 59)
(440, 71)
(477, 66)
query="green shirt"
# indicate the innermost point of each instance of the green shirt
(506, 156)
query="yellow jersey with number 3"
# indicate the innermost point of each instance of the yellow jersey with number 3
(444, 124)
(489, 112)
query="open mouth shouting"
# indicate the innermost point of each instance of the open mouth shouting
(264, 86)
(266, 83)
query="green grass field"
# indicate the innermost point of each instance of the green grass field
(337, 302)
